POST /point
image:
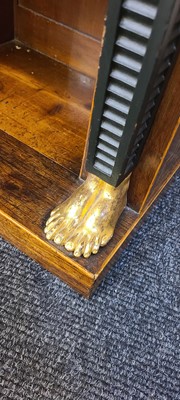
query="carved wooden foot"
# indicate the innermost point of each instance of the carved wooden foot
(86, 220)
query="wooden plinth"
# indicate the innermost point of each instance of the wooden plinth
(44, 116)
(31, 185)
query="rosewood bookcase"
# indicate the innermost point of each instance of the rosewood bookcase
(49, 55)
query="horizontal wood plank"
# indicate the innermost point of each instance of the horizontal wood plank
(53, 261)
(29, 182)
(43, 106)
(86, 16)
(60, 42)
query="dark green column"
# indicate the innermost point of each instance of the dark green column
(139, 48)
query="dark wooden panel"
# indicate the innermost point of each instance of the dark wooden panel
(58, 41)
(6, 20)
(28, 183)
(158, 142)
(44, 105)
(170, 165)
(86, 16)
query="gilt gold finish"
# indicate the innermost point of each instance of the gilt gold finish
(87, 219)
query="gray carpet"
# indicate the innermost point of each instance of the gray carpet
(122, 344)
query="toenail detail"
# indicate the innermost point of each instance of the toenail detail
(58, 239)
(69, 246)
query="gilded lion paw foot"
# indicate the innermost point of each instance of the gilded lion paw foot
(86, 220)
(97, 226)
(95, 230)
(67, 215)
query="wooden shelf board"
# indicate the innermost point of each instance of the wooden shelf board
(44, 104)
(31, 185)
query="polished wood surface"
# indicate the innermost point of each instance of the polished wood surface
(45, 108)
(31, 185)
(170, 165)
(38, 26)
(163, 130)
(6, 21)
(44, 105)
(85, 16)
(29, 182)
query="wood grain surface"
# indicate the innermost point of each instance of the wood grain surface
(170, 165)
(29, 182)
(86, 16)
(73, 48)
(162, 133)
(30, 186)
(44, 105)
(45, 110)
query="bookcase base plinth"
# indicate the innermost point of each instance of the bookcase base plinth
(32, 185)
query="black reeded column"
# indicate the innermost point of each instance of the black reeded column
(139, 48)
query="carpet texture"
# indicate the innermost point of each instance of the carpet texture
(120, 345)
